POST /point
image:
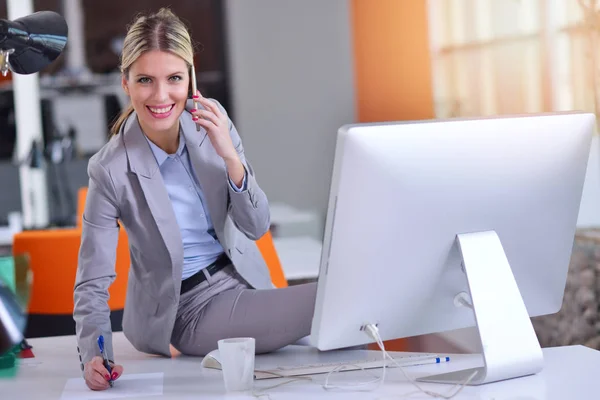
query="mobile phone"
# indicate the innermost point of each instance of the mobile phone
(194, 91)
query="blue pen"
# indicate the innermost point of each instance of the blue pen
(105, 357)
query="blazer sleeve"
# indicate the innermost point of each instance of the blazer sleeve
(248, 208)
(96, 264)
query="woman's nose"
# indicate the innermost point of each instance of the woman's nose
(160, 92)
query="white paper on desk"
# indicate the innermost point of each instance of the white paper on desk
(128, 385)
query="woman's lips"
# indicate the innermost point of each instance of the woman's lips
(161, 111)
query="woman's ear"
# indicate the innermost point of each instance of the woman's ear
(124, 83)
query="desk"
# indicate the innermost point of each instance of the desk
(570, 373)
(300, 256)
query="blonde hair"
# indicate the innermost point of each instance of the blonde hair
(162, 31)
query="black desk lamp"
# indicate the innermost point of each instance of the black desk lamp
(27, 45)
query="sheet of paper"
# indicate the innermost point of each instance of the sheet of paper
(128, 385)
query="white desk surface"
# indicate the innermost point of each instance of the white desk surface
(300, 256)
(570, 373)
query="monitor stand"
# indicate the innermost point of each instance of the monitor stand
(510, 346)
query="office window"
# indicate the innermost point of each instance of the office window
(511, 56)
(577, 57)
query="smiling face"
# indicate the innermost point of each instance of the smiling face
(157, 84)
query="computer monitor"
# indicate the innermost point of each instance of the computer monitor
(426, 219)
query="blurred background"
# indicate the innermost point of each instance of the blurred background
(290, 73)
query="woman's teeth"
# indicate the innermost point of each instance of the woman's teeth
(160, 110)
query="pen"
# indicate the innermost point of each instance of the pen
(105, 357)
(81, 362)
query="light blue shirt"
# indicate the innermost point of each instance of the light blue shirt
(200, 245)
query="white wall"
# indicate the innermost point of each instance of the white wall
(292, 87)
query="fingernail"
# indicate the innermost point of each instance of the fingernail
(194, 118)
(193, 110)
(195, 96)
(107, 377)
(114, 376)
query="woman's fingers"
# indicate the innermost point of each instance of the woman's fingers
(207, 115)
(96, 376)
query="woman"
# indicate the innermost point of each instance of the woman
(192, 208)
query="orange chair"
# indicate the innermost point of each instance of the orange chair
(53, 256)
(53, 260)
(267, 249)
(81, 195)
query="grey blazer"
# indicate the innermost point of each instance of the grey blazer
(125, 185)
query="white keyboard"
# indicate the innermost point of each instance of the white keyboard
(374, 361)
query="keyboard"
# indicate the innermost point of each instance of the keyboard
(371, 362)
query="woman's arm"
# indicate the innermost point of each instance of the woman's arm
(248, 207)
(96, 265)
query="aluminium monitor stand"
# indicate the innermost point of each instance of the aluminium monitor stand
(510, 346)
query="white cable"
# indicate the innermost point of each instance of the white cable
(355, 386)
(373, 332)
(465, 303)
(258, 393)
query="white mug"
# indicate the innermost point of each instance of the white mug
(237, 363)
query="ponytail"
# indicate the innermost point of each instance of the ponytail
(116, 127)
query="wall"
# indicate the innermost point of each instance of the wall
(292, 87)
(74, 176)
(392, 60)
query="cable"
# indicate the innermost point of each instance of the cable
(356, 386)
(465, 303)
(363, 386)
(373, 332)
(259, 393)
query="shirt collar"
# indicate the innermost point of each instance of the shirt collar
(161, 155)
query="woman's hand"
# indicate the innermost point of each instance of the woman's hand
(96, 376)
(216, 124)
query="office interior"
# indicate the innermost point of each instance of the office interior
(290, 73)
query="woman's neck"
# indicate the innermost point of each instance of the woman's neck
(166, 140)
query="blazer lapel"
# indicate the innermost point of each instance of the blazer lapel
(210, 170)
(143, 163)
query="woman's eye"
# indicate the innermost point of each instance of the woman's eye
(175, 78)
(144, 80)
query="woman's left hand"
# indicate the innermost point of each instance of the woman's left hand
(216, 124)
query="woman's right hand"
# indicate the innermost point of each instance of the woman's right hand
(97, 377)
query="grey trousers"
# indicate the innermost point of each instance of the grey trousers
(224, 306)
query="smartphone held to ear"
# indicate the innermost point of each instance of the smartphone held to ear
(194, 91)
